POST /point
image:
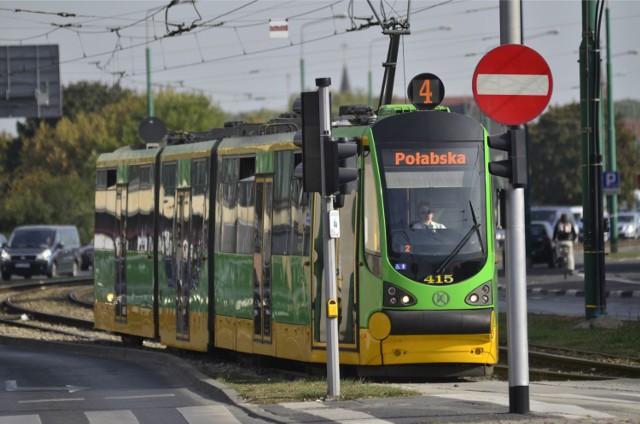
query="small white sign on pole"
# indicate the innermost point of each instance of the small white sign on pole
(278, 28)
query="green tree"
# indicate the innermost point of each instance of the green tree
(627, 161)
(555, 157)
(52, 178)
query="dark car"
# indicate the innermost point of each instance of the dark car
(41, 250)
(86, 256)
(542, 246)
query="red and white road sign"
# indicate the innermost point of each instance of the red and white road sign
(512, 84)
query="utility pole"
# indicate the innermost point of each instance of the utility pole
(150, 111)
(515, 268)
(595, 300)
(611, 133)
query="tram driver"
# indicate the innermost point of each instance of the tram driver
(425, 213)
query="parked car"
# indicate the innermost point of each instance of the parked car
(86, 256)
(41, 250)
(542, 245)
(629, 225)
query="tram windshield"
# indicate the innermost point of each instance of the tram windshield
(435, 208)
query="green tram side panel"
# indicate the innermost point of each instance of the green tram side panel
(198, 297)
(140, 277)
(233, 276)
(139, 280)
(438, 126)
(291, 295)
(234, 285)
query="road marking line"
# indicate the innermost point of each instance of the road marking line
(111, 417)
(51, 400)
(141, 396)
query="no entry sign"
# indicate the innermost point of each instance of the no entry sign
(512, 84)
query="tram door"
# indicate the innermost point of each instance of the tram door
(262, 260)
(120, 248)
(182, 261)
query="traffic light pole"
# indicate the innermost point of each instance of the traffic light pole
(333, 354)
(515, 245)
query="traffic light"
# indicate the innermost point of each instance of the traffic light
(514, 168)
(337, 171)
(311, 164)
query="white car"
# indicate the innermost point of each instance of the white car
(629, 225)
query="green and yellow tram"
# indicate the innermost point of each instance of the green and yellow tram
(209, 241)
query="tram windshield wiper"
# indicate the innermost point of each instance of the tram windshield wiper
(462, 242)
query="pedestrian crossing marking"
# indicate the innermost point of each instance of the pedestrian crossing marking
(207, 414)
(338, 415)
(111, 417)
(20, 419)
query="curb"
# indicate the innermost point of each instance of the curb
(185, 371)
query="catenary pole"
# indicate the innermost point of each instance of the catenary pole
(515, 267)
(594, 276)
(611, 141)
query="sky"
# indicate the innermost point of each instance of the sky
(223, 49)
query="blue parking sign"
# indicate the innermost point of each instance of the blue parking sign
(611, 182)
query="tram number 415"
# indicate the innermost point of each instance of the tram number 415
(439, 279)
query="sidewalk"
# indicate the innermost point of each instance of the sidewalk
(622, 279)
(480, 402)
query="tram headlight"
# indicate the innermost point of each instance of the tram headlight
(481, 296)
(395, 296)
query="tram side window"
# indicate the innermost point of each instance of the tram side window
(105, 178)
(199, 177)
(283, 173)
(169, 179)
(246, 205)
(301, 210)
(228, 200)
(301, 222)
(101, 180)
(134, 177)
(371, 219)
(145, 177)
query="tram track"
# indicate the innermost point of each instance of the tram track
(40, 303)
(37, 308)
